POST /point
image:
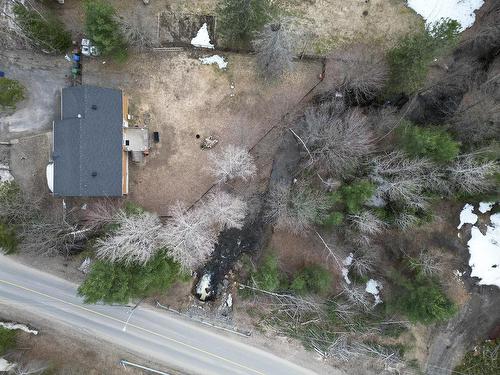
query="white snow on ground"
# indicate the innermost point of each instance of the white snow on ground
(203, 288)
(485, 206)
(5, 175)
(6, 365)
(215, 59)
(460, 10)
(22, 327)
(202, 39)
(345, 270)
(466, 216)
(485, 253)
(373, 287)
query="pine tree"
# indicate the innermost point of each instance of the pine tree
(238, 20)
(103, 28)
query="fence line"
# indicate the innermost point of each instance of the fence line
(202, 321)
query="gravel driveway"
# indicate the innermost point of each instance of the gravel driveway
(43, 77)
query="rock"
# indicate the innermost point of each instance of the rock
(85, 266)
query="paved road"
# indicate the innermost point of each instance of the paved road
(164, 338)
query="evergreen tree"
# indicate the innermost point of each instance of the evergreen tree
(117, 283)
(238, 20)
(103, 29)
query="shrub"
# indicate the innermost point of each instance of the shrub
(483, 360)
(334, 218)
(238, 20)
(104, 30)
(45, 30)
(117, 283)
(268, 276)
(8, 239)
(11, 92)
(131, 209)
(356, 194)
(421, 299)
(15, 206)
(312, 279)
(432, 143)
(409, 60)
(296, 208)
(7, 340)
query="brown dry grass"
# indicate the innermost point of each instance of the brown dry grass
(180, 98)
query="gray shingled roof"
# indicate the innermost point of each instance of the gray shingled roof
(88, 149)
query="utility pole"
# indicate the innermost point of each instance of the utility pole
(124, 329)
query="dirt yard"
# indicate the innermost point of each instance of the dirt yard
(181, 98)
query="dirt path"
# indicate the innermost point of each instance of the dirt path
(477, 318)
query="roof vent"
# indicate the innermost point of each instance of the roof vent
(79, 115)
(94, 174)
(94, 107)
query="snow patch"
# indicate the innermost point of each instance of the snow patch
(202, 39)
(15, 326)
(5, 175)
(203, 287)
(215, 59)
(460, 10)
(345, 270)
(374, 287)
(466, 216)
(485, 206)
(485, 253)
(6, 365)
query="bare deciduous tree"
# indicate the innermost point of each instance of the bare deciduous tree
(428, 263)
(135, 35)
(188, 235)
(477, 119)
(363, 264)
(365, 72)
(486, 39)
(274, 49)
(99, 213)
(405, 220)
(134, 241)
(366, 224)
(226, 210)
(232, 162)
(337, 141)
(53, 234)
(357, 296)
(295, 208)
(30, 368)
(405, 180)
(468, 175)
(16, 207)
